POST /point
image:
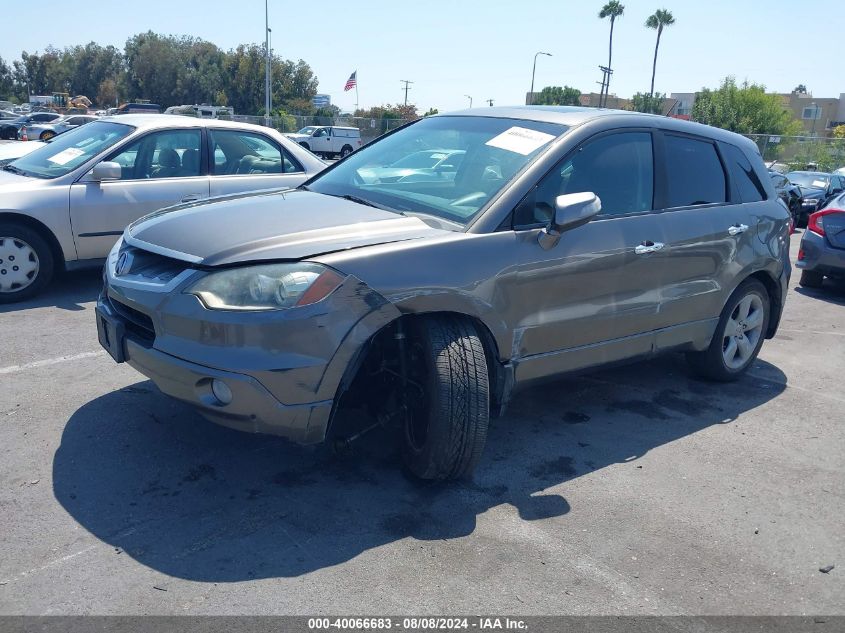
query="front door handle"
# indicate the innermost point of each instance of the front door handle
(736, 229)
(192, 197)
(648, 247)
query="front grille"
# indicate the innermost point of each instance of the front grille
(135, 322)
(149, 267)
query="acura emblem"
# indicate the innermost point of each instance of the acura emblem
(124, 263)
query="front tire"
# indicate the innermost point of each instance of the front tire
(444, 430)
(46, 136)
(26, 262)
(738, 336)
(811, 279)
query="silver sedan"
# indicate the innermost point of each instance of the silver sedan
(64, 205)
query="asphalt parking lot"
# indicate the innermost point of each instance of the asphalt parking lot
(636, 490)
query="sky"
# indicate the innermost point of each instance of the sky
(454, 48)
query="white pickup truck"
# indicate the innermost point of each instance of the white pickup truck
(328, 141)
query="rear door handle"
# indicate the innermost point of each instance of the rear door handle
(192, 197)
(736, 229)
(648, 247)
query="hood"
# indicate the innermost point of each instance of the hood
(286, 225)
(812, 192)
(297, 137)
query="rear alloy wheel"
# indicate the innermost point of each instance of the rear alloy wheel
(26, 263)
(46, 136)
(448, 409)
(345, 151)
(739, 334)
(811, 279)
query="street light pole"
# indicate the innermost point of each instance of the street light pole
(470, 101)
(533, 71)
(270, 48)
(267, 64)
(815, 116)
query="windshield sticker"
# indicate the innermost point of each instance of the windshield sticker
(65, 156)
(520, 140)
(821, 184)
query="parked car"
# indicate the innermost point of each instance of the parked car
(423, 165)
(822, 252)
(9, 127)
(8, 114)
(65, 204)
(13, 151)
(790, 194)
(816, 188)
(327, 141)
(569, 238)
(46, 131)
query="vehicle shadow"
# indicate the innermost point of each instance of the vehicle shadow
(833, 291)
(68, 291)
(196, 501)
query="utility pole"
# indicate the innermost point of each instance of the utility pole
(270, 85)
(470, 101)
(490, 102)
(267, 64)
(406, 82)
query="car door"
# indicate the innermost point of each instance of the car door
(244, 160)
(593, 297)
(159, 169)
(708, 232)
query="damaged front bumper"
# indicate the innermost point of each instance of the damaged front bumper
(282, 371)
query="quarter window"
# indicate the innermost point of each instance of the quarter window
(618, 168)
(694, 172)
(239, 153)
(749, 185)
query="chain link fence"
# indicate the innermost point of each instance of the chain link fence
(788, 153)
(370, 129)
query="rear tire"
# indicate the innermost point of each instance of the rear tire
(26, 262)
(738, 337)
(811, 279)
(445, 431)
(345, 151)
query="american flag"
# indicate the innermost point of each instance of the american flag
(351, 82)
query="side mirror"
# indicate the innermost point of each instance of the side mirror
(571, 211)
(107, 170)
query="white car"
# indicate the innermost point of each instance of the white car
(63, 205)
(328, 140)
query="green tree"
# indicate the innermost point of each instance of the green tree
(658, 20)
(432, 112)
(839, 131)
(645, 102)
(107, 93)
(613, 9)
(7, 83)
(555, 95)
(745, 109)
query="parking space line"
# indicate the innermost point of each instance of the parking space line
(14, 369)
(812, 332)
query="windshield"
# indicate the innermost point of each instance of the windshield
(493, 151)
(809, 179)
(70, 150)
(307, 130)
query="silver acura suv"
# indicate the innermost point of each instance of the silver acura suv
(565, 239)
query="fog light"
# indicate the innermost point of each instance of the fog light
(221, 391)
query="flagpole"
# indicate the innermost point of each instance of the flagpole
(356, 90)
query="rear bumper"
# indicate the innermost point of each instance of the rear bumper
(819, 256)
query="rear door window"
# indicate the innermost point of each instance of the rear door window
(238, 153)
(694, 173)
(747, 183)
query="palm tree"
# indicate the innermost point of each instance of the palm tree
(612, 10)
(658, 20)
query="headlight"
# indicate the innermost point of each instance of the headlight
(266, 287)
